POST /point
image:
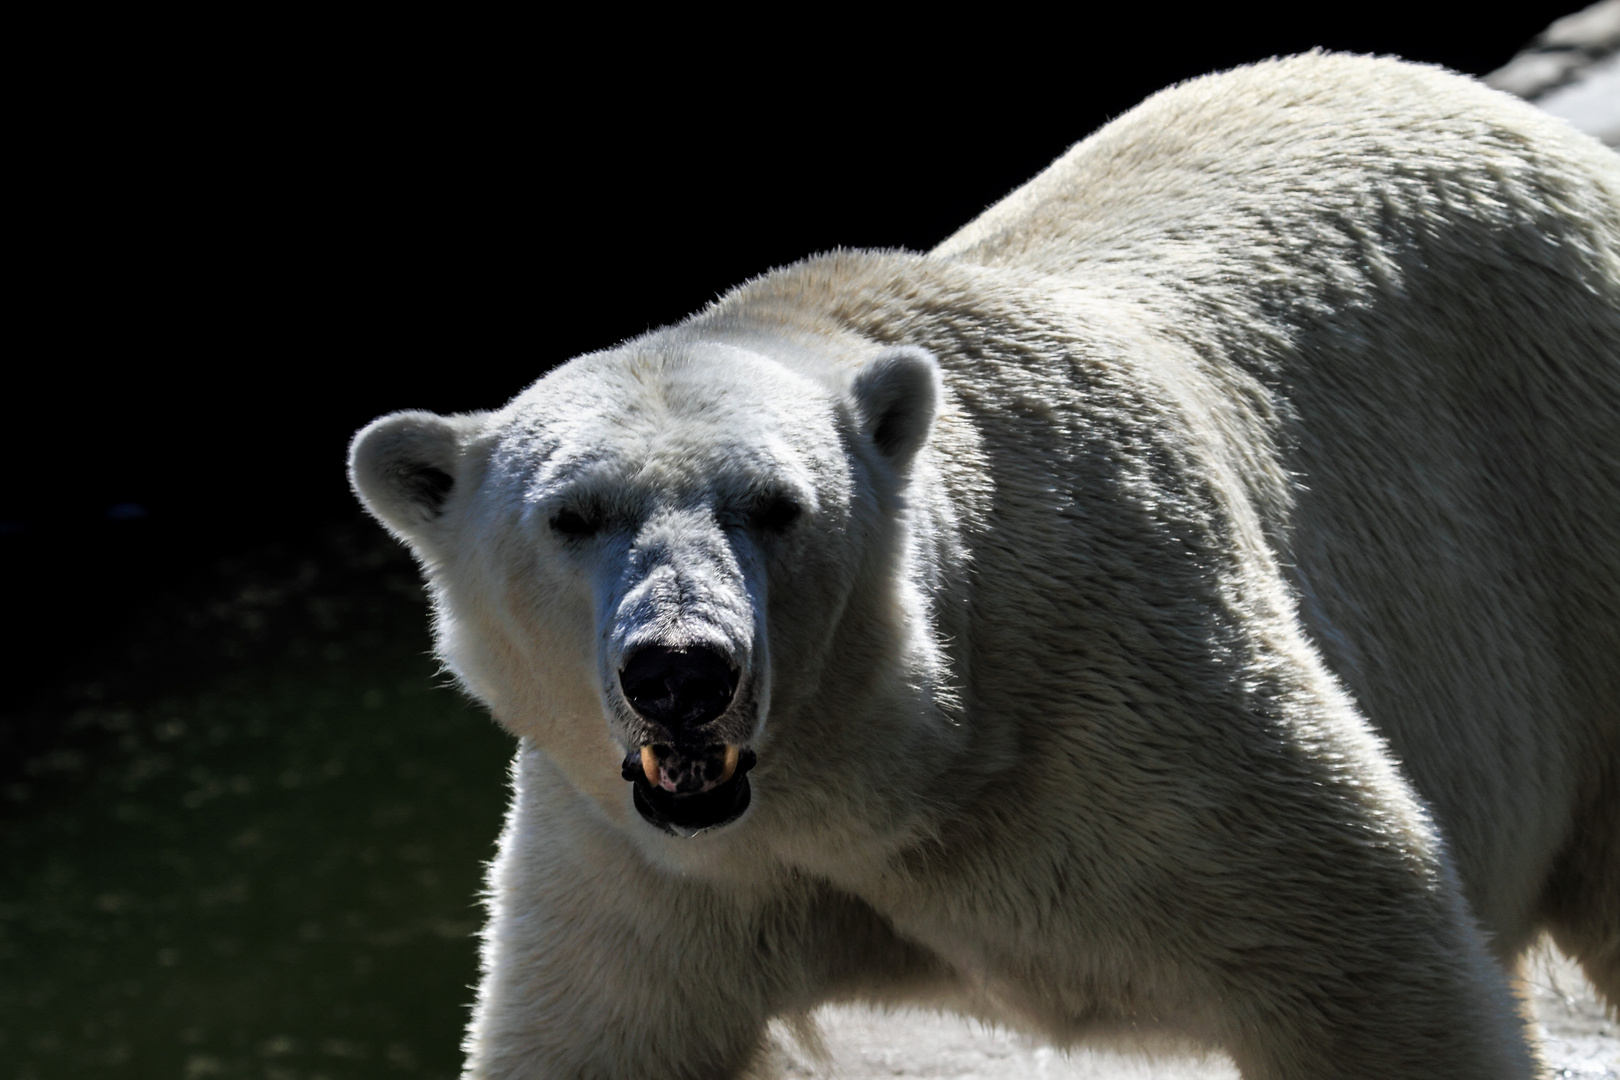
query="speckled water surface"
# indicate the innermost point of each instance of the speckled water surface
(248, 842)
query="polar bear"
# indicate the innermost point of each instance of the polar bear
(1184, 604)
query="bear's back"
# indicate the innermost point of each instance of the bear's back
(1278, 156)
(1421, 278)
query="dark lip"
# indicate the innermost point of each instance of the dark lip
(688, 815)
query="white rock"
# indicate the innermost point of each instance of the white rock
(1572, 70)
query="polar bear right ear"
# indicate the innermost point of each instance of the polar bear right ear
(896, 396)
(405, 466)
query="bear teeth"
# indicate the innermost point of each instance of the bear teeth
(655, 758)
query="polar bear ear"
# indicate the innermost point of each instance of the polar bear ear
(895, 397)
(404, 467)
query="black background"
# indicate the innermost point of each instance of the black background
(241, 241)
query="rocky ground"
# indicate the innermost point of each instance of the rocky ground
(1572, 70)
(1580, 1043)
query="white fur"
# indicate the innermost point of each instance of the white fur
(1203, 619)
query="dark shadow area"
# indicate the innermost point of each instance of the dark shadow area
(242, 819)
(246, 840)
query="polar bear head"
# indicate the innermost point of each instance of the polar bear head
(657, 557)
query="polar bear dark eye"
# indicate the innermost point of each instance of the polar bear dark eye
(777, 513)
(572, 523)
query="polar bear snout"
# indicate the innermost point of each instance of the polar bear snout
(692, 777)
(678, 689)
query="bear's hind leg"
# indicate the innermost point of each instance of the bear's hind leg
(1582, 901)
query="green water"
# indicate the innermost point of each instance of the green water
(253, 848)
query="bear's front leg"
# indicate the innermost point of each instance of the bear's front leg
(1334, 934)
(1348, 999)
(599, 966)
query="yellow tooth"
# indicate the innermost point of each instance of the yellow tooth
(732, 753)
(649, 765)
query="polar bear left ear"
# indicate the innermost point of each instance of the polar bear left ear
(406, 465)
(895, 397)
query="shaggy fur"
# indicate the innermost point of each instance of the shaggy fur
(1186, 603)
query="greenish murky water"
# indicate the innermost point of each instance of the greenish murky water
(252, 848)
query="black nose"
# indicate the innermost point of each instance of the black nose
(678, 688)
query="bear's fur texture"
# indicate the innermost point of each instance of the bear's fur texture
(1185, 603)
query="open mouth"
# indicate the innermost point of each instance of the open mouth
(685, 792)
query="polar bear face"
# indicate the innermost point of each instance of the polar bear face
(641, 563)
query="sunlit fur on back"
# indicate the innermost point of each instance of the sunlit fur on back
(1198, 615)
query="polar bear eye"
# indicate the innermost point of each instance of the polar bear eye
(573, 523)
(777, 513)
